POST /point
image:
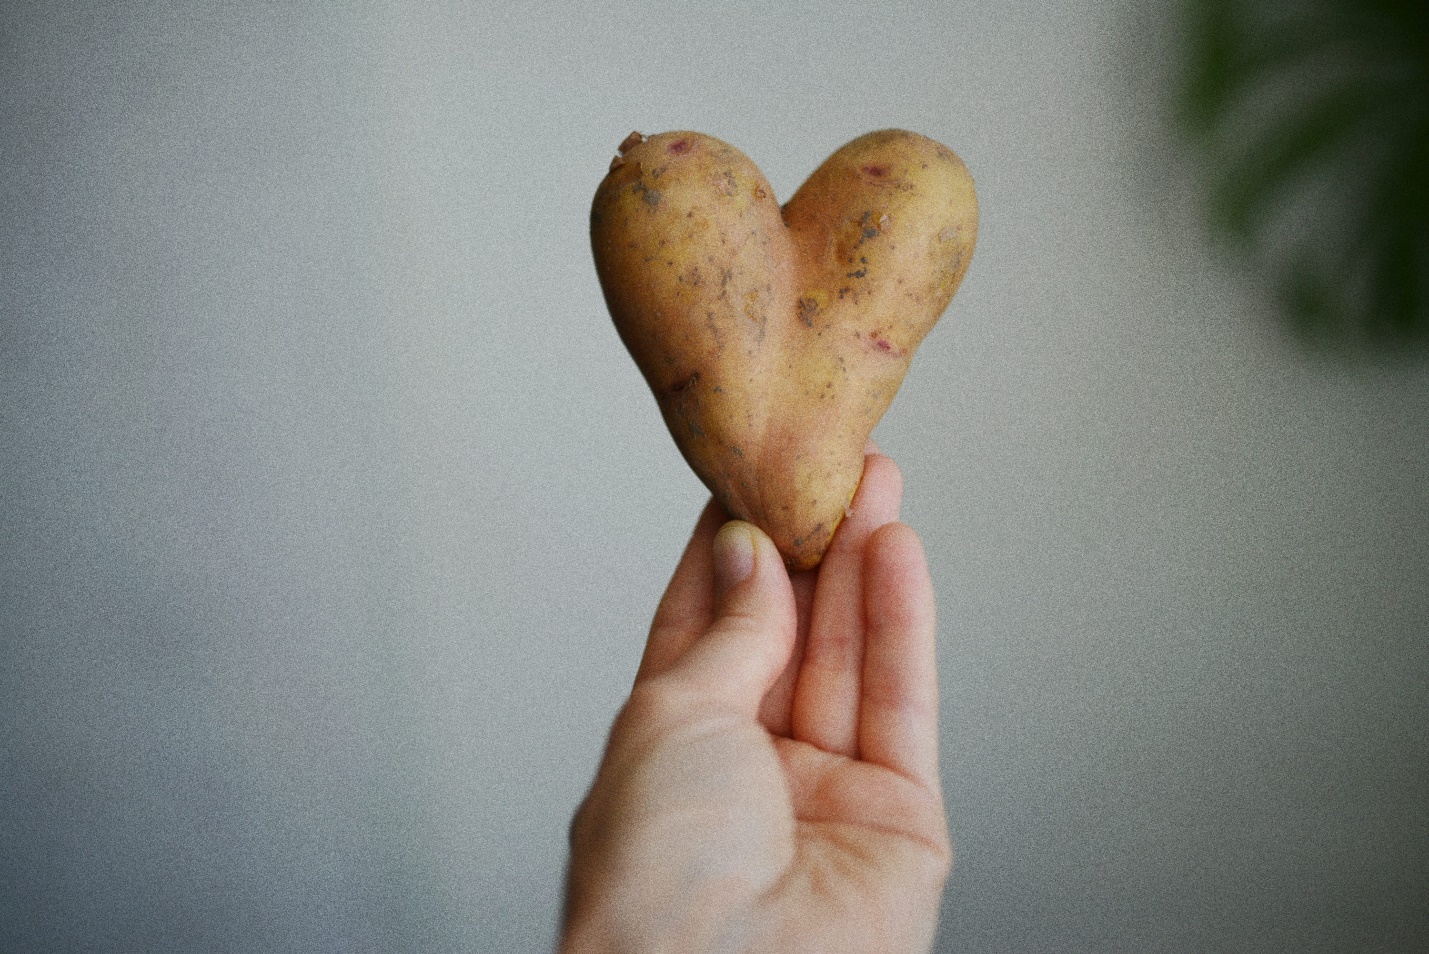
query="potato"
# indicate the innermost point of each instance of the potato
(774, 340)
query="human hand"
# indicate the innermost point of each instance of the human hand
(772, 783)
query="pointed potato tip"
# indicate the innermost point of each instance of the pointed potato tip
(630, 141)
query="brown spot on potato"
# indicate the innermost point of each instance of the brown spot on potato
(866, 231)
(808, 308)
(678, 147)
(755, 313)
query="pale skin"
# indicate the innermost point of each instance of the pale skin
(772, 784)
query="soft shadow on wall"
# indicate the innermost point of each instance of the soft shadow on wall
(1311, 118)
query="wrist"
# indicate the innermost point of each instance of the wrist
(659, 921)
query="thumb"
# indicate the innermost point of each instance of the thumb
(748, 644)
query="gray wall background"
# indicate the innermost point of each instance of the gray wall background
(332, 512)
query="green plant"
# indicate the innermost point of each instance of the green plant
(1314, 121)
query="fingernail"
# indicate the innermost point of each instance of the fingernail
(733, 556)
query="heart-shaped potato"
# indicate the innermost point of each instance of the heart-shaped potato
(775, 339)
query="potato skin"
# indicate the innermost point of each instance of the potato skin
(696, 266)
(774, 340)
(885, 230)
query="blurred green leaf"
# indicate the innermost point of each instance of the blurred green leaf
(1321, 104)
(1271, 165)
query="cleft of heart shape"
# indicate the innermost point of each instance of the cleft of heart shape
(775, 338)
